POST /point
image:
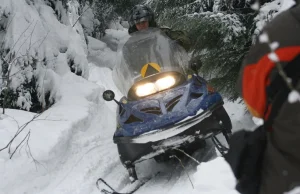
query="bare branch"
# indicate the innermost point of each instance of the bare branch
(23, 69)
(49, 120)
(195, 160)
(44, 39)
(19, 38)
(8, 25)
(31, 35)
(12, 74)
(23, 43)
(30, 153)
(174, 156)
(13, 119)
(80, 16)
(19, 145)
(20, 129)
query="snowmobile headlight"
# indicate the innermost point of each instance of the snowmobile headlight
(159, 85)
(145, 89)
(165, 83)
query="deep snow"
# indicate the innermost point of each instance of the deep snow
(74, 147)
(72, 141)
(70, 145)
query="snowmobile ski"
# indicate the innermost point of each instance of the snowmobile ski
(113, 191)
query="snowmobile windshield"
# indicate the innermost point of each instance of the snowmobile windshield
(149, 57)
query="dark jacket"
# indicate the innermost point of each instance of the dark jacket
(265, 93)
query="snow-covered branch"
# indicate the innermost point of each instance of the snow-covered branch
(174, 156)
(88, 7)
(8, 62)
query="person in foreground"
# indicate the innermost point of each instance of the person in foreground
(268, 159)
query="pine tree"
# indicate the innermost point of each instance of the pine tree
(28, 60)
(221, 32)
(109, 10)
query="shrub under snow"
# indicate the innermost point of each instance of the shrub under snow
(40, 42)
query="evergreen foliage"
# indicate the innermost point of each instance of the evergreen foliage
(109, 10)
(221, 33)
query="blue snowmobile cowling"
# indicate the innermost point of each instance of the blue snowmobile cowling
(164, 107)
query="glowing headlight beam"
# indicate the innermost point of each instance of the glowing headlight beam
(165, 83)
(146, 89)
(159, 85)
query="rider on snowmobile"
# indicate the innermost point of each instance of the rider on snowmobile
(142, 17)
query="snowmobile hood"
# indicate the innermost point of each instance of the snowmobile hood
(174, 107)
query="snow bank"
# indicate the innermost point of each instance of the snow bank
(54, 44)
(36, 32)
(100, 54)
(74, 148)
(104, 53)
(51, 132)
(113, 37)
(77, 102)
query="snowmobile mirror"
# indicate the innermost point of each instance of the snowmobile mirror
(195, 67)
(196, 63)
(108, 95)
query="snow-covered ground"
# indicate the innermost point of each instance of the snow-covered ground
(72, 145)
(69, 146)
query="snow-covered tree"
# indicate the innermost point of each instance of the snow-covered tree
(38, 45)
(221, 32)
(110, 10)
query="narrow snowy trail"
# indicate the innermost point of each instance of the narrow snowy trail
(87, 153)
(111, 170)
(92, 154)
(173, 178)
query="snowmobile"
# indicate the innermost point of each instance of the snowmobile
(164, 107)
